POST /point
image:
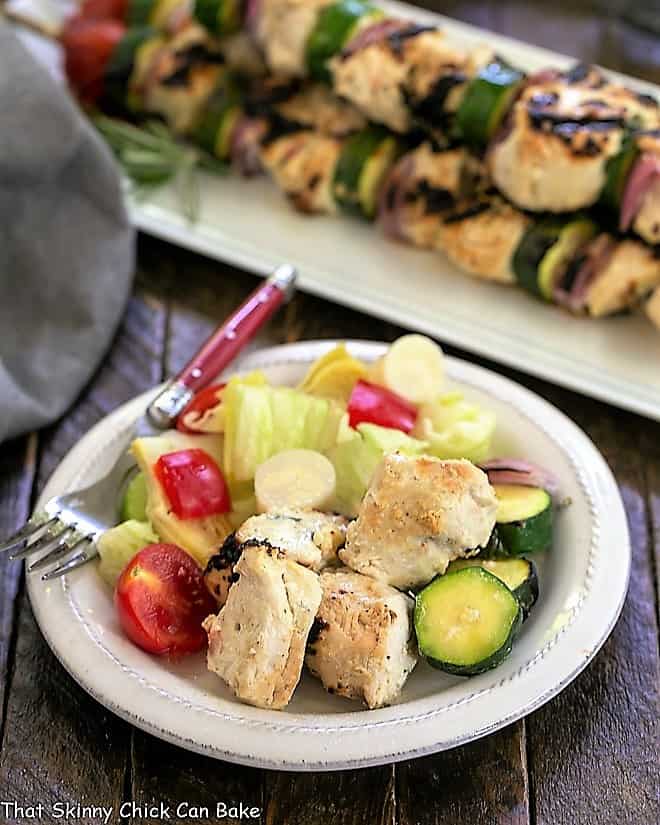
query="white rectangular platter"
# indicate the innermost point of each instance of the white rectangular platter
(249, 224)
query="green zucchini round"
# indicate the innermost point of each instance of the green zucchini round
(486, 102)
(118, 74)
(139, 12)
(218, 16)
(361, 169)
(524, 520)
(214, 130)
(466, 621)
(546, 249)
(617, 170)
(518, 574)
(334, 28)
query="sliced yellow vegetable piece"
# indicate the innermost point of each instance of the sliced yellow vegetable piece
(337, 379)
(337, 353)
(295, 479)
(413, 367)
(199, 537)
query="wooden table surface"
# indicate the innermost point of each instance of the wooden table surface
(588, 757)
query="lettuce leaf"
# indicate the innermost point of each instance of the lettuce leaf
(456, 428)
(357, 454)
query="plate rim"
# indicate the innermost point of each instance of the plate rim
(283, 354)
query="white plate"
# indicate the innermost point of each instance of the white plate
(249, 224)
(583, 582)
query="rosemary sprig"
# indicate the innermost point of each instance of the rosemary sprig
(151, 156)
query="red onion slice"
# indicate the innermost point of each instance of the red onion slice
(597, 255)
(245, 145)
(252, 14)
(374, 34)
(643, 175)
(392, 197)
(519, 471)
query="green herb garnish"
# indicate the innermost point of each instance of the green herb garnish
(151, 156)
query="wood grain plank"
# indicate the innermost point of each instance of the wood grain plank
(593, 749)
(483, 783)
(650, 449)
(78, 752)
(350, 797)
(190, 784)
(17, 470)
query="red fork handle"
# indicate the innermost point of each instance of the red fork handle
(223, 346)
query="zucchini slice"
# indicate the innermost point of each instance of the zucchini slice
(486, 102)
(617, 170)
(518, 574)
(466, 621)
(363, 164)
(335, 26)
(524, 519)
(546, 250)
(134, 46)
(218, 16)
(217, 124)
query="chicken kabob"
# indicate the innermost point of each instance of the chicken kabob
(436, 197)
(293, 130)
(547, 138)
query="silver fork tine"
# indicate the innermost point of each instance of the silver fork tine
(56, 553)
(72, 564)
(25, 533)
(43, 543)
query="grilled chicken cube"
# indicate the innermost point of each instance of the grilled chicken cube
(181, 77)
(361, 645)
(283, 28)
(482, 235)
(562, 131)
(395, 69)
(257, 641)
(421, 188)
(316, 107)
(419, 514)
(628, 272)
(303, 165)
(308, 537)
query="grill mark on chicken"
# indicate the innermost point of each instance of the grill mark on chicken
(436, 198)
(396, 40)
(196, 55)
(470, 212)
(431, 108)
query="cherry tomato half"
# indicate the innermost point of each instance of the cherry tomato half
(193, 483)
(88, 48)
(372, 404)
(162, 601)
(204, 400)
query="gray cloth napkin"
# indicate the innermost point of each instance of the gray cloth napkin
(66, 246)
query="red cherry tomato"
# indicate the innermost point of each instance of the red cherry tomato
(193, 484)
(162, 601)
(204, 400)
(372, 404)
(103, 10)
(88, 47)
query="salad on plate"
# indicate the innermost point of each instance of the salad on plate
(349, 526)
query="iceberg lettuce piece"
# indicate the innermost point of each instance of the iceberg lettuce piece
(358, 453)
(118, 545)
(456, 428)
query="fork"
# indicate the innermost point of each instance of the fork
(66, 531)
